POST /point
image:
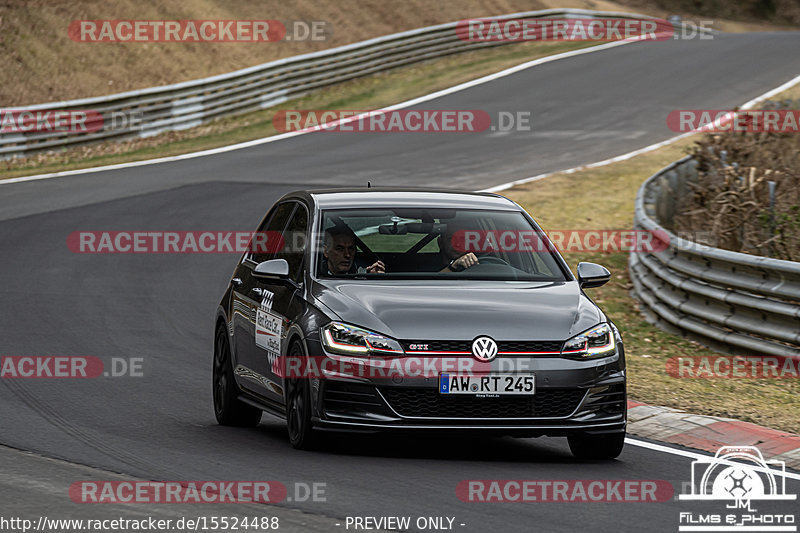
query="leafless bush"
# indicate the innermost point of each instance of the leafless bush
(731, 198)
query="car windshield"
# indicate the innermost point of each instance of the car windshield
(434, 243)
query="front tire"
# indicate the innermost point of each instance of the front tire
(298, 408)
(229, 410)
(596, 446)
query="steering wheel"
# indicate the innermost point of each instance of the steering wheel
(491, 260)
(487, 264)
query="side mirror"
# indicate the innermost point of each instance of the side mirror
(592, 275)
(274, 268)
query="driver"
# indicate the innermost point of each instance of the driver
(453, 259)
(339, 250)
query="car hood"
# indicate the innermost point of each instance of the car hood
(414, 310)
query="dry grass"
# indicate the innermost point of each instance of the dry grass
(602, 198)
(45, 65)
(36, 52)
(789, 94)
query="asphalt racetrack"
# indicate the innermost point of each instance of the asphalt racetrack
(160, 308)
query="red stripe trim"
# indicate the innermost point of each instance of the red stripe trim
(440, 353)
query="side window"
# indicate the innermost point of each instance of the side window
(261, 250)
(294, 242)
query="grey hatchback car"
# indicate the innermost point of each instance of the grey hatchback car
(366, 310)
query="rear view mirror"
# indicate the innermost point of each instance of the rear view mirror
(392, 229)
(424, 228)
(421, 228)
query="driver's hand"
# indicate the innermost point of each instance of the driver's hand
(465, 261)
(376, 268)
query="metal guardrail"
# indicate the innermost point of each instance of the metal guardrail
(733, 302)
(188, 104)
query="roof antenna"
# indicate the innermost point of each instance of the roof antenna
(369, 185)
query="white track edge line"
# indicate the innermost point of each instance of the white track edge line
(687, 453)
(279, 137)
(772, 92)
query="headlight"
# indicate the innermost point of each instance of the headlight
(596, 342)
(346, 339)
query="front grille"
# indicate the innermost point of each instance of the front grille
(530, 346)
(502, 346)
(349, 397)
(428, 403)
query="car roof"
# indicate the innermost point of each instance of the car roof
(363, 197)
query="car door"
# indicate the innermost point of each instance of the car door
(248, 297)
(282, 304)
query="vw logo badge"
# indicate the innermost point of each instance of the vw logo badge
(484, 349)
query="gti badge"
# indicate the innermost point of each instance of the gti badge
(484, 349)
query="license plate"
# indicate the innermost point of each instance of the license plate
(491, 384)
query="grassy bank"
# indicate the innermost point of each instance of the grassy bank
(608, 204)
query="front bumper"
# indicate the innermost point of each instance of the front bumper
(570, 397)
